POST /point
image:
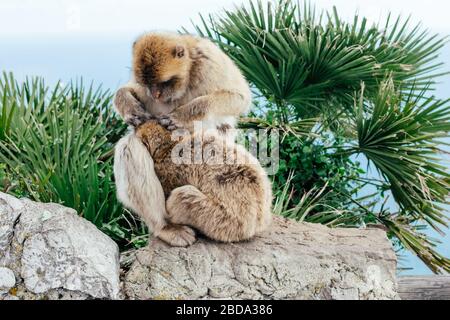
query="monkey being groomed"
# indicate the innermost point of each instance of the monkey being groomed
(225, 194)
(179, 80)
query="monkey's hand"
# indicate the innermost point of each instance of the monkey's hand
(137, 118)
(170, 122)
(177, 235)
(183, 116)
(130, 107)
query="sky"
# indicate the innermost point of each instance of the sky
(25, 17)
(69, 39)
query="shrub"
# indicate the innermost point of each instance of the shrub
(368, 89)
(55, 147)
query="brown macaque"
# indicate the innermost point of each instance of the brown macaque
(177, 80)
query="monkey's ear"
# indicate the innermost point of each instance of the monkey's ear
(178, 52)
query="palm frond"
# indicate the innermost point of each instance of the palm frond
(295, 56)
(401, 135)
(301, 128)
(416, 242)
(311, 207)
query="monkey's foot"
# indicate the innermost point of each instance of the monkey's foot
(177, 235)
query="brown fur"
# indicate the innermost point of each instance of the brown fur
(226, 202)
(157, 59)
(184, 79)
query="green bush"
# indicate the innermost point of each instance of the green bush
(56, 147)
(368, 91)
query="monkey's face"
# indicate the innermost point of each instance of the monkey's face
(162, 64)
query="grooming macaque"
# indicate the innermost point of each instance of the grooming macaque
(181, 79)
(226, 202)
(177, 79)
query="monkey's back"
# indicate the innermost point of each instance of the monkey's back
(207, 161)
(222, 171)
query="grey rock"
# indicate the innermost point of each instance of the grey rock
(10, 209)
(7, 280)
(9, 297)
(48, 252)
(54, 253)
(291, 261)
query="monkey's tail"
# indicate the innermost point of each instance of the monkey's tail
(138, 187)
(226, 222)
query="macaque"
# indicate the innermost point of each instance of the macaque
(226, 201)
(182, 79)
(179, 80)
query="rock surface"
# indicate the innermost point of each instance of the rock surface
(7, 280)
(291, 261)
(52, 253)
(48, 252)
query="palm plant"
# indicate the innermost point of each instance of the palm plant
(306, 63)
(369, 87)
(401, 134)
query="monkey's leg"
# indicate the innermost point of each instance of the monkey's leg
(189, 206)
(139, 189)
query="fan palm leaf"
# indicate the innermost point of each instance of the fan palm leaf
(292, 54)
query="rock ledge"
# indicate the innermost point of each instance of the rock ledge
(291, 261)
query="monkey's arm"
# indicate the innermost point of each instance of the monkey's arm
(128, 102)
(219, 103)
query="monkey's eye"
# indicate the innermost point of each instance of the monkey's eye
(169, 82)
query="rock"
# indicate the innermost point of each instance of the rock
(9, 211)
(7, 280)
(291, 261)
(48, 252)
(55, 254)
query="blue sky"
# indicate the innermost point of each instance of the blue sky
(131, 16)
(67, 39)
